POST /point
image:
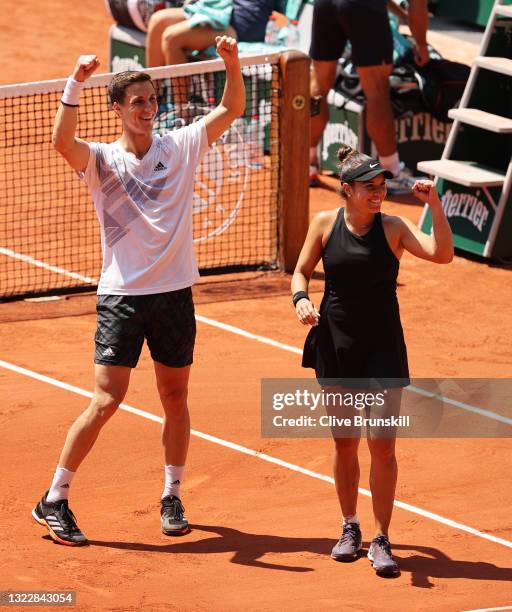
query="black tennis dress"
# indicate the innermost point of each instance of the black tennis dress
(359, 334)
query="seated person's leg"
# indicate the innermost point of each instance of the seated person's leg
(180, 39)
(157, 24)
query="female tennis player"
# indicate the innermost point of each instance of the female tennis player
(142, 187)
(357, 333)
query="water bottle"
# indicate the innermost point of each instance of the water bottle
(255, 143)
(293, 41)
(234, 144)
(271, 31)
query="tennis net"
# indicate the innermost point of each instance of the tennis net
(49, 235)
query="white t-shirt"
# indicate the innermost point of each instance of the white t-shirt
(144, 207)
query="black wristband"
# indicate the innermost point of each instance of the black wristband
(299, 295)
(70, 105)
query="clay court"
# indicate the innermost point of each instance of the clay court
(263, 512)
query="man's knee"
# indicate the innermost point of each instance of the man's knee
(174, 399)
(375, 82)
(323, 76)
(317, 89)
(377, 92)
(104, 405)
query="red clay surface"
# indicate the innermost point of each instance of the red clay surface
(262, 533)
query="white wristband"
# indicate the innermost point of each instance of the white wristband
(71, 95)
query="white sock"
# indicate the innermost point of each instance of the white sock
(60, 485)
(173, 480)
(351, 519)
(390, 162)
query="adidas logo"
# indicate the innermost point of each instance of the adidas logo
(108, 352)
(159, 167)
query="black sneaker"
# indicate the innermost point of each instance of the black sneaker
(60, 522)
(314, 176)
(381, 557)
(174, 522)
(349, 544)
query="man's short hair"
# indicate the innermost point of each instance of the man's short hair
(122, 80)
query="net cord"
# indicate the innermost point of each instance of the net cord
(162, 72)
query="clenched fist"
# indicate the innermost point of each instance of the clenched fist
(85, 66)
(227, 48)
(426, 192)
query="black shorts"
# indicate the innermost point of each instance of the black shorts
(166, 320)
(335, 22)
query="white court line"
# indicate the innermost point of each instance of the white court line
(490, 609)
(263, 339)
(246, 334)
(253, 453)
(446, 400)
(293, 349)
(41, 264)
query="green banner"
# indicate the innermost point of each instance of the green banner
(344, 127)
(470, 212)
(126, 56)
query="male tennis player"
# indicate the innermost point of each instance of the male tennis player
(142, 187)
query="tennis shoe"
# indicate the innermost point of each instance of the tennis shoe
(402, 182)
(60, 522)
(172, 513)
(349, 544)
(314, 176)
(381, 557)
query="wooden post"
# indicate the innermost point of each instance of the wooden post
(294, 151)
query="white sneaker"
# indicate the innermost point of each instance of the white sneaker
(402, 182)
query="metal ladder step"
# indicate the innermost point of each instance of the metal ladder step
(504, 10)
(465, 173)
(496, 64)
(481, 119)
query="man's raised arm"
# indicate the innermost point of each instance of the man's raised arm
(232, 104)
(74, 150)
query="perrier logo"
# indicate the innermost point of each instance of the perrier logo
(466, 206)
